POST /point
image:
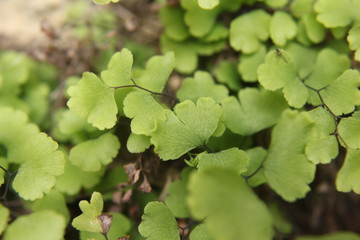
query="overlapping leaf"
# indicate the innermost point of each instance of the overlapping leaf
(255, 173)
(40, 163)
(286, 165)
(158, 223)
(144, 111)
(232, 159)
(15, 131)
(157, 72)
(88, 220)
(279, 72)
(314, 30)
(249, 30)
(42, 225)
(93, 100)
(323, 147)
(226, 73)
(4, 218)
(137, 143)
(333, 13)
(54, 201)
(91, 155)
(349, 129)
(348, 176)
(173, 20)
(208, 4)
(239, 215)
(249, 64)
(254, 111)
(74, 179)
(188, 127)
(342, 95)
(200, 233)
(282, 28)
(354, 42)
(201, 85)
(177, 192)
(118, 72)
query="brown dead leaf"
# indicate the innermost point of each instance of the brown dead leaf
(145, 185)
(106, 221)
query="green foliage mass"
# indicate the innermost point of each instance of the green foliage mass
(245, 92)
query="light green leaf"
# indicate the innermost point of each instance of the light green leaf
(249, 30)
(157, 72)
(187, 51)
(347, 178)
(278, 72)
(200, 233)
(144, 111)
(354, 42)
(334, 13)
(4, 164)
(208, 4)
(342, 95)
(74, 126)
(42, 225)
(314, 30)
(4, 218)
(15, 131)
(88, 220)
(226, 73)
(329, 66)
(201, 85)
(74, 179)
(255, 173)
(349, 129)
(254, 110)
(52, 201)
(137, 143)
(92, 155)
(249, 64)
(339, 32)
(93, 100)
(103, 2)
(158, 223)
(301, 7)
(199, 21)
(333, 236)
(15, 70)
(324, 146)
(303, 58)
(40, 163)
(173, 20)
(232, 159)
(276, 3)
(188, 127)
(239, 215)
(177, 193)
(118, 71)
(219, 32)
(286, 168)
(282, 28)
(279, 220)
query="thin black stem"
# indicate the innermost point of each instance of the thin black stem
(207, 148)
(146, 90)
(336, 118)
(256, 171)
(7, 185)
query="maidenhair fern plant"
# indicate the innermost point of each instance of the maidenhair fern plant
(280, 70)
